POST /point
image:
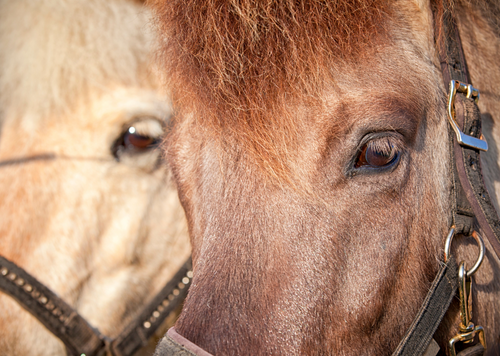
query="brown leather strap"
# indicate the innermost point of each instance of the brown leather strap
(471, 196)
(471, 204)
(469, 169)
(449, 44)
(476, 350)
(79, 337)
(453, 67)
(57, 316)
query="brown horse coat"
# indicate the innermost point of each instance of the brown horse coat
(310, 155)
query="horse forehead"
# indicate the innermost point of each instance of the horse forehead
(381, 94)
(383, 80)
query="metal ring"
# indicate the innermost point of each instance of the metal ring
(479, 240)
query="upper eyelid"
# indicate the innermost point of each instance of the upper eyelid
(398, 142)
(146, 126)
(136, 122)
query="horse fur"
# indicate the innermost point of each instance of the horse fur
(258, 56)
(294, 251)
(104, 233)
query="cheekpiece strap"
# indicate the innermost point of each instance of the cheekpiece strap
(432, 311)
(472, 206)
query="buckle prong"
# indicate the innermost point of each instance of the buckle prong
(470, 92)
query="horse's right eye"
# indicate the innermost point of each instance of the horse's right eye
(378, 153)
(138, 138)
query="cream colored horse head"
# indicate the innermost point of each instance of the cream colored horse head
(85, 205)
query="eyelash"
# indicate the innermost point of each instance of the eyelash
(377, 153)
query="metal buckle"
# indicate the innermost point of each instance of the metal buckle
(466, 329)
(464, 140)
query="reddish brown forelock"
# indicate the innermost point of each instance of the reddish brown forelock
(238, 65)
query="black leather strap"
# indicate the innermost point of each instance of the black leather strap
(432, 311)
(137, 333)
(57, 316)
(79, 337)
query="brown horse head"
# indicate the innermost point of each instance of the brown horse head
(311, 158)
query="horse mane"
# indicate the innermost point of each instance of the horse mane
(46, 66)
(241, 65)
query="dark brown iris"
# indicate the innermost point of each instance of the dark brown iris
(377, 153)
(137, 141)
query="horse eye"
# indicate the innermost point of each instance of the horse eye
(141, 137)
(133, 140)
(377, 153)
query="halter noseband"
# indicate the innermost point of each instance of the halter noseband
(79, 337)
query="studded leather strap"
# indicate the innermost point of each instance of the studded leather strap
(57, 316)
(79, 337)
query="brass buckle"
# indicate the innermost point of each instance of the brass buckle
(466, 329)
(464, 140)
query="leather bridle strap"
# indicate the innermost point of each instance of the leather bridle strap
(57, 316)
(79, 337)
(137, 333)
(432, 311)
(472, 198)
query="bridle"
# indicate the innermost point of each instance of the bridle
(79, 337)
(471, 211)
